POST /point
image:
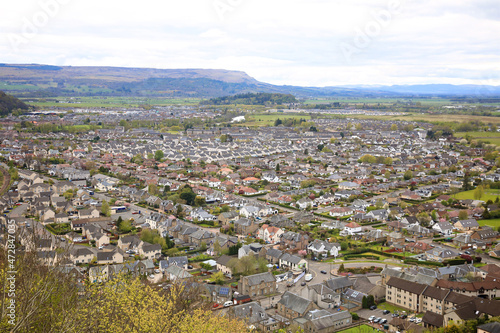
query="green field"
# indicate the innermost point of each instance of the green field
(492, 137)
(488, 195)
(426, 101)
(359, 329)
(107, 102)
(269, 119)
(494, 223)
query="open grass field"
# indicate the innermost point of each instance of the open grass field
(269, 119)
(488, 195)
(359, 329)
(492, 137)
(424, 101)
(432, 118)
(108, 102)
(494, 223)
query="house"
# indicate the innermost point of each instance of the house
(269, 234)
(273, 256)
(292, 240)
(395, 238)
(227, 218)
(249, 211)
(444, 228)
(176, 273)
(324, 249)
(304, 203)
(487, 236)
(375, 235)
(352, 228)
(322, 296)
(341, 211)
(322, 321)
(418, 247)
(493, 327)
(464, 225)
(201, 215)
(292, 262)
(217, 294)
(245, 226)
(181, 261)
(251, 249)
(339, 284)
(293, 306)
(110, 257)
(149, 251)
(440, 254)
(257, 284)
(255, 316)
(82, 256)
(222, 265)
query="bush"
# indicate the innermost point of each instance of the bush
(355, 316)
(455, 262)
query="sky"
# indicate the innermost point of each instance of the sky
(292, 42)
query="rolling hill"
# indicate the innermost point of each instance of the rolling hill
(34, 80)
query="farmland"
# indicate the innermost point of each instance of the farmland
(488, 195)
(260, 120)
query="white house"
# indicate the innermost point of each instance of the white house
(269, 234)
(352, 228)
(323, 248)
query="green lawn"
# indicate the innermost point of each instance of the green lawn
(494, 223)
(488, 195)
(359, 329)
(391, 307)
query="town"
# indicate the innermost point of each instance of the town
(320, 221)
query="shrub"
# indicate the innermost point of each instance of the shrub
(355, 316)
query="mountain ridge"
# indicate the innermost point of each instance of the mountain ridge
(39, 80)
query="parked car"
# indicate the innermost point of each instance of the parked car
(324, 272)
(383, 321)
(386, 312)
(373, 307)
(371, 318)
(418, 320)
(303, 283)
(378, 319)
(404, 316)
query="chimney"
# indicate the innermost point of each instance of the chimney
(251, 311)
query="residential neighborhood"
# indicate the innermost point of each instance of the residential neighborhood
(277, 227)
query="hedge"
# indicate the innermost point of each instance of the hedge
(429, 263)
(361, 256)
(454, 262)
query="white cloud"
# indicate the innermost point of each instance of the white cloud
(284, 42)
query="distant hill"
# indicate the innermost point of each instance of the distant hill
(9, 103)
(253, 99)
(34, 80)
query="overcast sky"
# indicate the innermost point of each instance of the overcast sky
(296, 42)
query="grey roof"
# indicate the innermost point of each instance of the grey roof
(339, 283)
(179, 261)
(294, 302)
(256, 279)
(275, 253)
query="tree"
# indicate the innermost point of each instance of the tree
(278, 122)
(463, 215)
(341, 268)
(466, 186)
(364, 303)
(218, 278)
(199, 201)
(370, 300)
(277, 167)
(153, 189)
(320, 147)
(203, 246)
(479, 192)
(159, 155)
(408, 175)
(105, 209)
(394, 127)
(424, 219)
